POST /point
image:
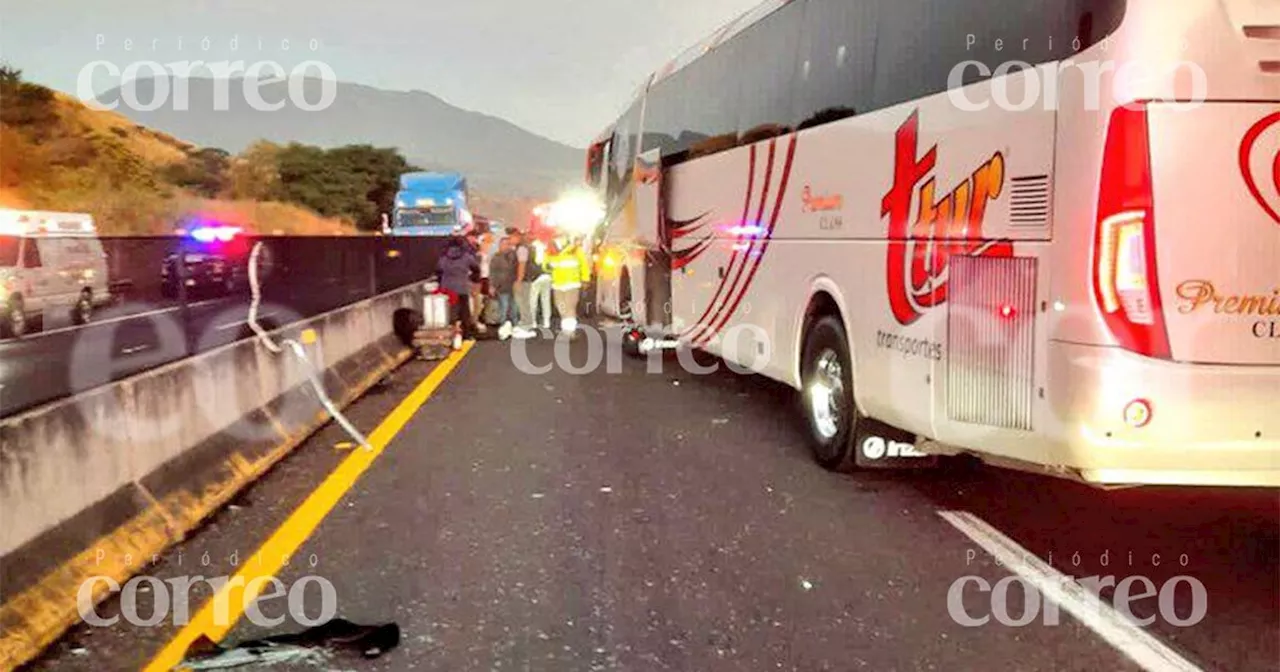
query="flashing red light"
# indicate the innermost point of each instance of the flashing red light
(1008, 312)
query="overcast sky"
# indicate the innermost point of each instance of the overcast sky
(561, 68)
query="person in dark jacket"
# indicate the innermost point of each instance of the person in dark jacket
(502, 279)
(458, 265)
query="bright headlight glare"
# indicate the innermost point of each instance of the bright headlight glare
(577, 213)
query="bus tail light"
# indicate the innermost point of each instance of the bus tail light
(1126, 286)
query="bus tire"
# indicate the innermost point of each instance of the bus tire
(826, 398)
(13, 323)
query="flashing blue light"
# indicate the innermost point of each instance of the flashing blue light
(208, 234)
(746, 230)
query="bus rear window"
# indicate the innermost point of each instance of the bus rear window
(8, 251)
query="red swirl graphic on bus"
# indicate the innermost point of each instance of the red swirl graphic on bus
(920, 251)
(1252, 179)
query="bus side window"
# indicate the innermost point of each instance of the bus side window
(30, 253)
(623, 150)
(765, 65)
(834, 74)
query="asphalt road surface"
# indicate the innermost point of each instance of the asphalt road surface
(670, 521)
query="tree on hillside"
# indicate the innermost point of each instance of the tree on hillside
(254, 174)
(311, 178)
(205, 172)
(357, 182)
(25, 104)
(381, 168)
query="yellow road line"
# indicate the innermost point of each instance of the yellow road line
(248, 583)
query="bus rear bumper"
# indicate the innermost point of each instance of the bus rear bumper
(1209, 425)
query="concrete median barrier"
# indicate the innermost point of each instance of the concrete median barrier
(99, 484)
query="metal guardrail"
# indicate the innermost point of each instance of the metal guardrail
(167, 298)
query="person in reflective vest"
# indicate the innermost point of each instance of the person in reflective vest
(569, 269)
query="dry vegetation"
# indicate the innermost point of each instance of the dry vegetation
(57, 154)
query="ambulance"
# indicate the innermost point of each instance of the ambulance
(52, 265)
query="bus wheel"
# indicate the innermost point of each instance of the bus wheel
(14, 321)
(827, 396)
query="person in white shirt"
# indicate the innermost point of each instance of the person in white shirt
(486, 247)
(533, 287)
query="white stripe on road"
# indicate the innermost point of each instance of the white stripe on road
(241, 323)
(122, 318)
(1139, 645)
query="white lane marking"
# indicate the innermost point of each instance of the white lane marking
(233, 325)
(98, 323)
(1139, 645)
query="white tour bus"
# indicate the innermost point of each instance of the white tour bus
(1045, 233)
(52, 264)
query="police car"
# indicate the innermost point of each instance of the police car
(215, 258)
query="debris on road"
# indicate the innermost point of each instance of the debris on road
(259, 656)
(314, 646)
(433, 344)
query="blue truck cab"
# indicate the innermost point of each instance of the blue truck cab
(430, 204)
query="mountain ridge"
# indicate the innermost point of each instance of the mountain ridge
(497, 155)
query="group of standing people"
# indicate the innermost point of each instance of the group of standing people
(519, 274)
